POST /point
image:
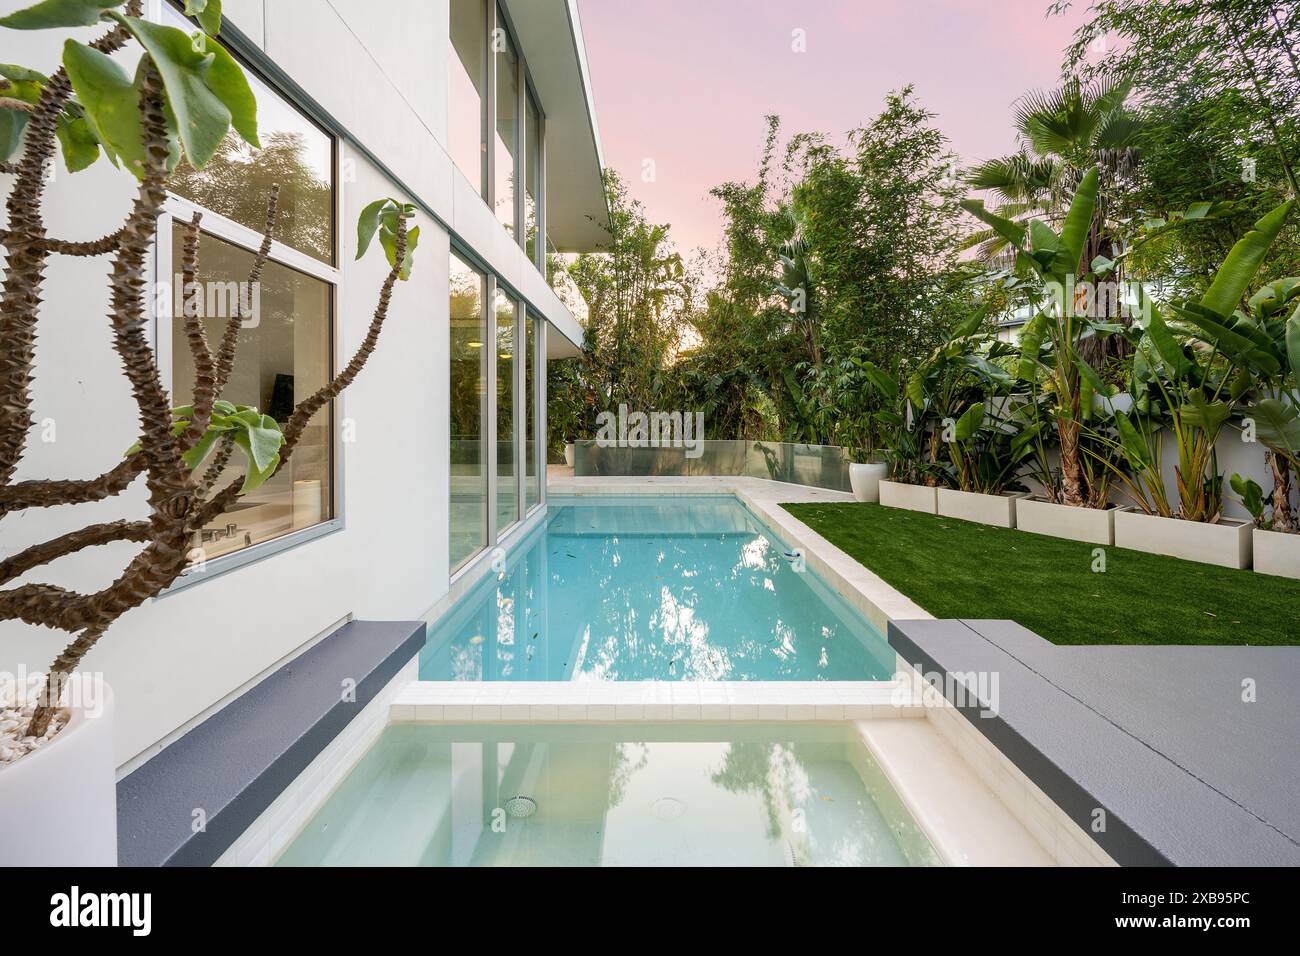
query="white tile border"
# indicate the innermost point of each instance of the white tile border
(284, 819)
(658, 701)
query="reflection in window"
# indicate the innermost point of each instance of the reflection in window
(296, 154)
(467, 90)
(532, 178)
(532, 483)
(507, 485)
(284, 356)
(507, 126)
(468, 513)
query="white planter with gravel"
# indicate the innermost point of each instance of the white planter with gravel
(1277, 553)
(1228, 543)
(896, 494)
(999, 510)
(865, 479)
(58, 803)
(1091, 525)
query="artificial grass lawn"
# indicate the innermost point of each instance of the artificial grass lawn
(959, 569)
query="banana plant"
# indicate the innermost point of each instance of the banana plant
(1197, 364)
(1050, 354)
(989, 445)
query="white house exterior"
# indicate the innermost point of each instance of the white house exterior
(376, 95)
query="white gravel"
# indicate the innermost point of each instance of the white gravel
(13, 721)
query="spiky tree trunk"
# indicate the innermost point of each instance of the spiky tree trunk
(181, 500)
(1283, 519)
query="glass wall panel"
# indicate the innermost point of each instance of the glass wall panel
(284, 355)
(468, 519)
(467, 90)
(507, 485)
(532, 181)
(532, 481)
(507, 129)
(296, 154)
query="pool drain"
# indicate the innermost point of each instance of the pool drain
(521, 808)
(668, 808)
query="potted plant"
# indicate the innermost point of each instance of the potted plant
(871, 393)
(56, 754)
(988, 446)
(1192, 393)
(1274, 551)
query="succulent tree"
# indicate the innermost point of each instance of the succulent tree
(185, 95)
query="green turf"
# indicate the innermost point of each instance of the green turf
(958, 569)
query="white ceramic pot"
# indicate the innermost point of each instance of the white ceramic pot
(1093, 525)
(1227, 544)
(896, 494)
(1277, 553)
(865, 479)
(568, 454)
(999, 510)
(60, 802)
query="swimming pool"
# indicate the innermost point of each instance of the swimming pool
(639, 795)
(670, 588)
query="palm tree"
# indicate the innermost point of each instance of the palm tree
(1062, 134)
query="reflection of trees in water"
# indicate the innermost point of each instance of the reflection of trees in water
(663, 623)
(628, 760)
(784, 777)
(237, 180)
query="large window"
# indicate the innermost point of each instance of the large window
(507, 312)
(467, 90)
(285, 339)
(532, 181)
(502, 155)
(469, 511)
(507, 129)
(532, 479)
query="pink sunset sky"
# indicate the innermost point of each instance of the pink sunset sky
(687, 82)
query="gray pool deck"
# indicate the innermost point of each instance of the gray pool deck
(1193, 753)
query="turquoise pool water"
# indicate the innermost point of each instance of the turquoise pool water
(639, 795)
(652, 588)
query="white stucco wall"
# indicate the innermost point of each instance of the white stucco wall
(177, 655)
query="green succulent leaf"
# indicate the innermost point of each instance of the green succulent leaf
(207, 12)
(12, 124)
(58, 13)
(79, 142)
(111, 103)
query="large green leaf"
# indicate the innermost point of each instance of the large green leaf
(80, 145)
(1078, 223)
(58, 13)
(1239, 268)
(1208, 416)
(111, 103)
(1031, 345)
(1166, 346)
(1293, 343)
(207, 12)
(202, 117)
(965, 427)
(1240, 348)
(12, 123)
(1012, 232)
(1134, 446)
(368, 224)
(226, 79)
(1277, 425)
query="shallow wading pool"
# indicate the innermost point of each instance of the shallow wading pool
(634, 795)
(669, 588)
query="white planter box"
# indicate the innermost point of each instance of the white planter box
(865, 479)
(1277, 553)
(1227, 544)
(1093, 525)
(896, 494)
(60, 802)
(997, 510)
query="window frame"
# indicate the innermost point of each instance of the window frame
(178, 209)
